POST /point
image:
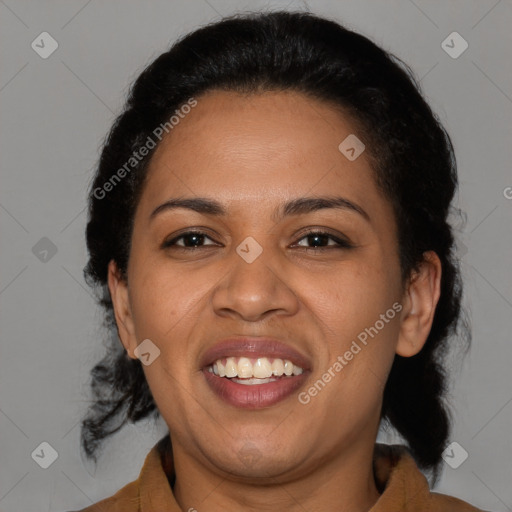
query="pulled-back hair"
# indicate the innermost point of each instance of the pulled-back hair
(410, 153)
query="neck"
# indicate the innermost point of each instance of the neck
(345, 482)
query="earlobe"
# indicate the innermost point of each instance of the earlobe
(122, 309)
(420, 301)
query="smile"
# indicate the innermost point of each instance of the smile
(253, 373)
(254, 370)
(253, 392)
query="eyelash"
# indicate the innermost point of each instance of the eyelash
(341, 244)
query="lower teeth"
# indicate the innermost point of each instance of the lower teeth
(252, 380)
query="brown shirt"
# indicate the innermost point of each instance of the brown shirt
(404, 487)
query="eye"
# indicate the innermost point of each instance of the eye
(311, 240)
(321, 239)
(189, 240)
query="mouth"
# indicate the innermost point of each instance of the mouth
(253, 373)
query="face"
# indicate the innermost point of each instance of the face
(278, 273)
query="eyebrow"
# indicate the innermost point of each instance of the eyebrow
(300, 206)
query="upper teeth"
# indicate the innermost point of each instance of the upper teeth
(259, 368)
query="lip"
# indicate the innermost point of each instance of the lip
(257, 396)
(251, 347)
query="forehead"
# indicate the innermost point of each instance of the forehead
(258, 144)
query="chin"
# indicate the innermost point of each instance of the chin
(253, 459)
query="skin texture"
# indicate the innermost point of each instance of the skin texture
(253, 153)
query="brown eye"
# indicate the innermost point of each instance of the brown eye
(189, 240)
(320, 239)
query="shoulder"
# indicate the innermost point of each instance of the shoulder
(404, 487)
(442, 503)
(151, 484)
(125, 500)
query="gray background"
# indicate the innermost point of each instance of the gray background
(55, 113)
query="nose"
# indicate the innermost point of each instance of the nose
(254, 291)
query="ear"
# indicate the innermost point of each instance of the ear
(119, 293)
(419, 305)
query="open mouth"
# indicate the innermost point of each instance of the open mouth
(253, 383)
(253, 371)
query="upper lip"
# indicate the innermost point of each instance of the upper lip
(244, 346)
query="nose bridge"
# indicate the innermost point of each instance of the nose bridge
(252, 286)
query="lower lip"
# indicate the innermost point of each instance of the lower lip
(256, 396)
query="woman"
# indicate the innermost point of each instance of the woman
(268, 224)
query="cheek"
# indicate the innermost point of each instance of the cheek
(162, 299)
(351, 299)
(360, 329)
(165, 309)
(356, 312)
(165, 306)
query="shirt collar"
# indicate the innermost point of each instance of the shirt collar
(402, 486)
